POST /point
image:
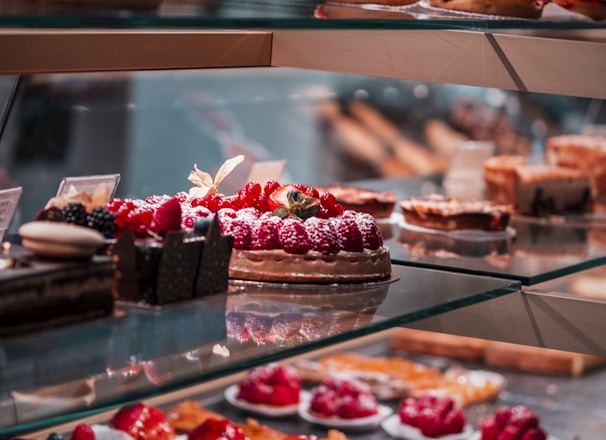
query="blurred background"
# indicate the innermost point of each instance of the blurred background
(152, 127)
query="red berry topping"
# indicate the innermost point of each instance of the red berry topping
(371, 234)
(350, 237)
(167, 217)
(237, 228)
(343, 398)
(322, 236)
(217, 429)
(142, 422)
(434, 416)
(293, 237)
(83, 432)
(264, 235)
(519, 422)
(272, 384)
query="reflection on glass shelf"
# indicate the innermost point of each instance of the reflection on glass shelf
(58, 374)
(531, 250)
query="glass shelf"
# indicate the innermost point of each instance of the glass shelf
(62, 374)
(532, 250)
(293, 14)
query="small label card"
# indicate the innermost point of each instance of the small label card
(9, 199)
(263, 172)
(89, 184)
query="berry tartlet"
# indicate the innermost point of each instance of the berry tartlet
(429, 416)
(345, 403)
(518, 422)
(270, 390)
(142, 422)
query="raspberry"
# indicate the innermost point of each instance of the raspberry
(324, 401)
(167, 217)
(454, 422)
(371, 234)
(181, 196)
(264, 236)
(350, 237)
(322, 236)
(83, 432)
(429, 423)
(293, 237)
(156, 200)
(282, 396)
(237, 228)
(363, 405)
(248, 213)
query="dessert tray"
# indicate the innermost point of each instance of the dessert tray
(231, 393)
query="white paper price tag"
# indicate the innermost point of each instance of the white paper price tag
(263, 172)
(9, 199)
(88, 184)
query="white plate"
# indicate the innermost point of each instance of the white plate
(359, 424)
(478, 435)
(231, 394)
(396, 429)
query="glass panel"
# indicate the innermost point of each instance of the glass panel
(141, 351)
(268, 14)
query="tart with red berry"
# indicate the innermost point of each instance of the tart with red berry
(272, 390)
(520, 422)
(345, 403)
(428, 417)
(302, 237)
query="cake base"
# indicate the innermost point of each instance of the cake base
(312, 267)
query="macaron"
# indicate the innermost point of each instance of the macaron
(60, 240)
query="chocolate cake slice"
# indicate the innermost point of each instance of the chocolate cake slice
(37, 294)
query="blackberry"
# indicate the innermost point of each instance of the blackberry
(75, 213)
(104, 221)
(55, 436)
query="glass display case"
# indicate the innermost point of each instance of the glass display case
(148, 90)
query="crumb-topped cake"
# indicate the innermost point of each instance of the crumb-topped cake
(537, 189)
(437, 211)
(379, 204)
(586, 153)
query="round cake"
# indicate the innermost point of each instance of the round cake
(304, 239)
(506, 8)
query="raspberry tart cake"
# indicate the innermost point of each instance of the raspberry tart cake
(291, 233)
(512, 422)
(343, 402)
(429, 416)
(270, 390)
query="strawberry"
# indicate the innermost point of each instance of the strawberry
(322, 236)
(156, 426)
(371, 234)
(288, 201)
(264, 235)
(142, 422)
(83, 432)
(167, 217)
(350, 237)
(217, 429)
(128, 418)
(293, 237)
